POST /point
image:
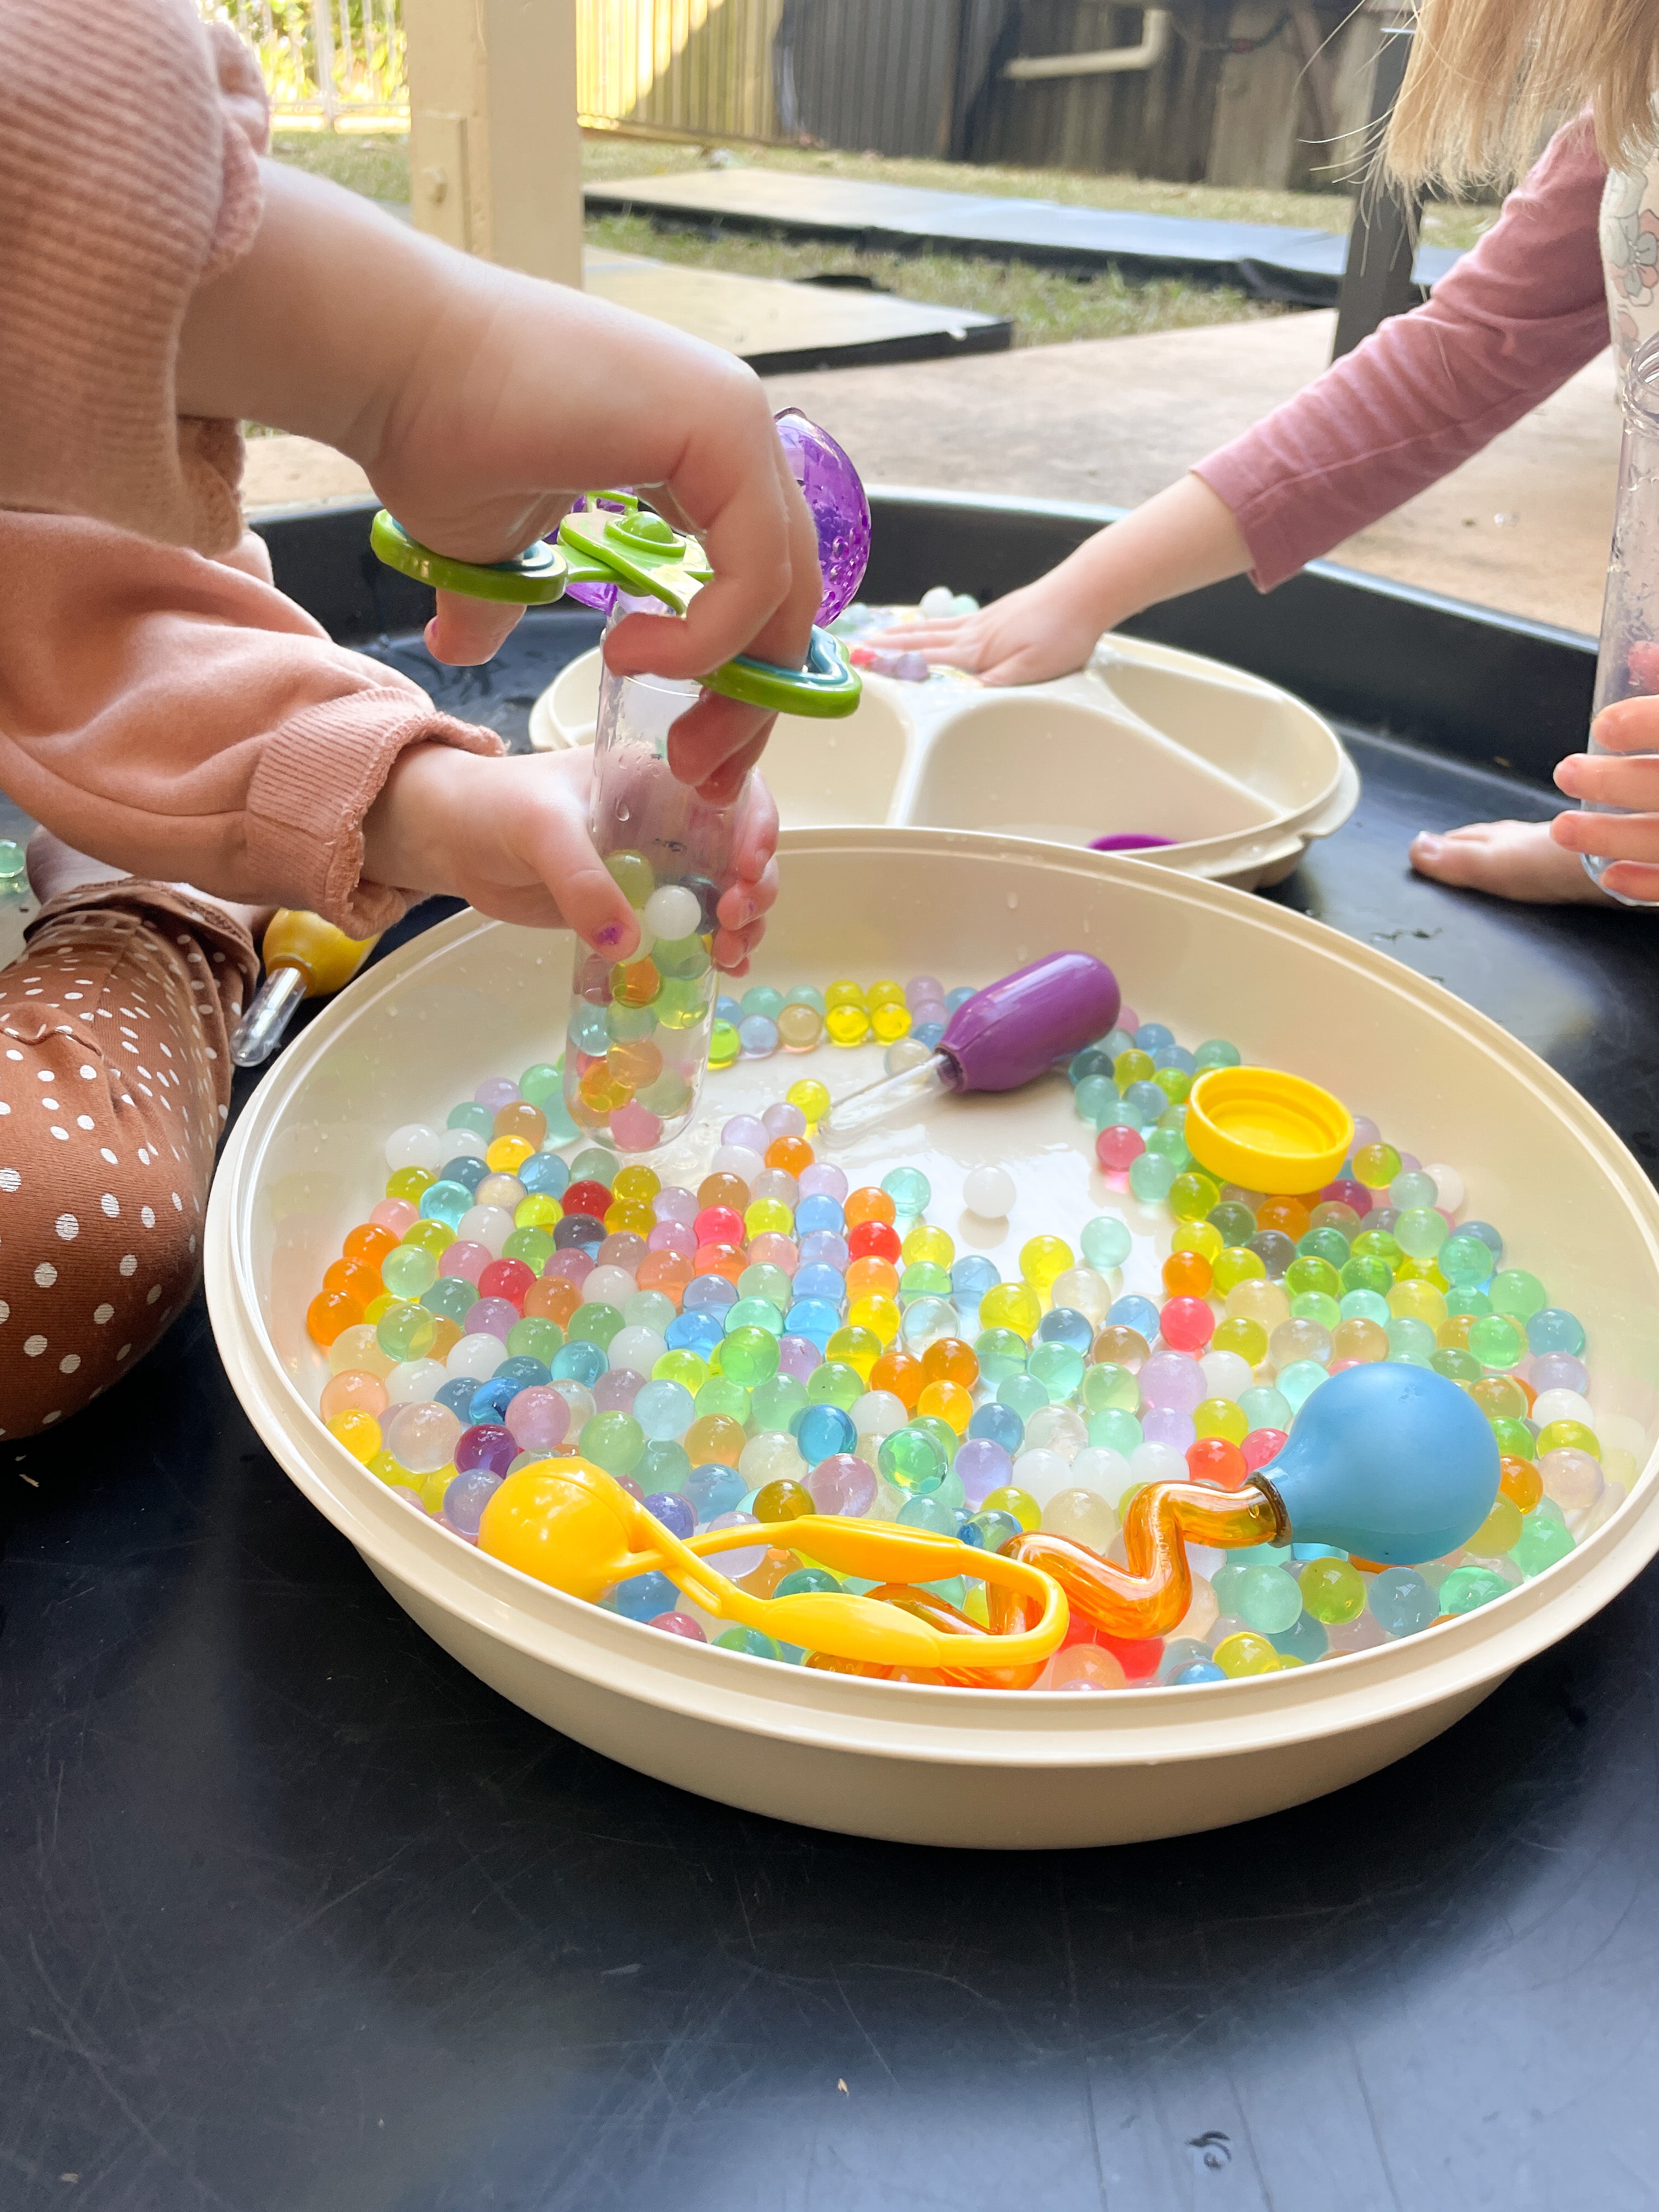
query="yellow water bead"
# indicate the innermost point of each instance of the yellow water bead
(623, 1219)
(1043, 1260)
(847, 1025)
(856, 1347)
(637, 1185)
(1011, 1305)
(810, 1097)
(1233, 1265)
(409, 1183)
(1259, 1300)
(1246, 1653)
(1133, 1067)
(878, 1313)
(360, 1432)
(845, 994)
(1204, 1238)
(1407, 1270)
(434, 1236)
(1416, 1300)
(1568, 1436)
(1500, 1532)
(1453, 1335)
(948, 1401)
(1021, 1503)
(928, 1246)
(506, 1155)
(377, 1308)
(767, 1216)
(1221, 1417)
(890, 1022)
(1246, 1338)
(885, 994)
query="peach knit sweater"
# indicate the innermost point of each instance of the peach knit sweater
(162, 706)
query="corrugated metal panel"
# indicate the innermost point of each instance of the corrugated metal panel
(699, 66)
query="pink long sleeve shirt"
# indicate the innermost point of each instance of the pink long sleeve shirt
(1515, 318)
(162, 706)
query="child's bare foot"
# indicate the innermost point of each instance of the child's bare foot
(1509, 860)
(55, 867)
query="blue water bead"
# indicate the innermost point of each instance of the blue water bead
(808, 1582)
(1202, 1670)
(757, 1036)
(1299, 1382)
(709, 1294)
(677, 1514)
(464, 1169)
(544, 1174)
(1553, 1329)
(1488, 1236)
(523, 1372)
(714, 1488)
(561, 1129)
(1134, 1312)
(1152, 1036)
(1175, 1057)
(694, 1332)
(1106, 1242)
(1146, 1100)
(490, 1401)
(1000, 1425)
(458, 1394)
(1065, 1325)
(1216, 1052)
(446, 1200)
(589, 1031)
(1021, 1395)
(642, 1597)
(971, 1276)
(820, 1210)
(762, 998)
(820, 1431)
(469, 1114)
(1306, 1639)
(580, 1362)
(928, 1033)
(1091, 1060)
(664, 1411)
(930, 1512)
(1402, 1601)
(816, 1319)
(959, 997)
(727, 1009)
(908, 1188)
(818, 1281)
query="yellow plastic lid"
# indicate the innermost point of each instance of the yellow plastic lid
(1267, 1131)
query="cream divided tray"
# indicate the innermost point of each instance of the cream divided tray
(1144, 741)
(920, 1762)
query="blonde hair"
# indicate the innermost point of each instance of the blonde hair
(1488, 78)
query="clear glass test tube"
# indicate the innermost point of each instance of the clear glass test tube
(1628, 664)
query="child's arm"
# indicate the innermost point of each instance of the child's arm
(1518, 314)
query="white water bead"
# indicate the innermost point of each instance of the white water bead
(1084, 1291)
(1564, 1405)
(1083, 1514)
(737, 1160)
(478, 1356)
(1225, 1374)
(1448, 1183)
(413, 1381)
(649, 1309)
(1057, 1429)
(1105, 1472)
(415, 1146)
(774, 1183)
(771, 1457)
(422, 1437)
(580, 1399)
(989, 1192)
(939, 601)
(462, 1145)
(637, 1349)
(878, 1413)
(673, 912)
(503, 1190)
(1041, 1474)
(489, 1225)
(608, 1286)
(1157, 1463)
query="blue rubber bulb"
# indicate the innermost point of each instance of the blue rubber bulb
(1393, 1463)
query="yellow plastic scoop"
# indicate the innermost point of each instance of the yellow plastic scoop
(1267, 1131)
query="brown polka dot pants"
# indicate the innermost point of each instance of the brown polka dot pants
(114, 1083)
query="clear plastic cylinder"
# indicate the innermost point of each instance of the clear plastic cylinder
(636, 1042)
(1628, 666)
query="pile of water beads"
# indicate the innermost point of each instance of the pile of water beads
(776, 1343)
(766, 1020)
(902, 667)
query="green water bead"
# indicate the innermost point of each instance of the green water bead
(1464, 1261)
(593, 1165)
(538, 1084)
(1471, 1303)
(1409, 1339)
(725, 1396)
(807, 1582)
(1316, 1306)
(754, 1312)
(1421, 1230)
(594, 1324)
(911, 1460)
(1267, 1600)
(1377, 1244)
(1151, 1175)
(614, 1441)
(681, 959)
(1496, 1342)
(908, 1188)
(1369, 1305)
(1514, 1438)
(1000, 1353)
(1216, 1052)
(1264, 1407)
(931, 1512)
(634, 878)
(1116, 1430)
(1106, 1242)
(408, 1272)
(749, 1641)
(1311, 1274)
(663, 1465)
(683, 1367)
(834, 1383)
(805, 994)
(1328, 1244)
(535, 1338)
(1023, 1395)
(628, 1024)
(1095, 1097)
(923, 1279)
(1466, 1589)
(469, 1114)
(406, 1332)
(1175, 1082)
(1457, 1366)
(765, 1281)
(1106, 1386)
(750, 1356)
(450, 1297)
(535, 1247)
(1375, 1277)
(1058, 1368)
(1515, 1292)
(1544, 1539)
(930, 1425)
(1333, 1591)
(1192, 1195)
(1233, 1223)
(1169, 1145)
(773, 1406)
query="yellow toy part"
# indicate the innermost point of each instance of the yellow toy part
(1267, 1131)
(566, 1523)
(306, 958)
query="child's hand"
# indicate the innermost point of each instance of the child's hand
(510, 837)
(1631, 841)
(1040, 631)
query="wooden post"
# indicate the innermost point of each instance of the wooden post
(1379, 280)
(494, 153)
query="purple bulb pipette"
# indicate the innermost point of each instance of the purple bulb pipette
(1003, 1037)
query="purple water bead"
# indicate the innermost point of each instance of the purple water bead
(798, 1358)
(925, 988)
(841, 513)
(573, 1265)
(1558, 1371)
(1173, 1379)
(492, 1317)
(495, 1092)
(824, 1180)
(843, 1483)
(781, 1119)
(736, 1563)
(824, 1246)
(673, 1236)
(747, 1130)
(464, 1259)
(465, 1499)
(983, 1466)
(622, 1248)
(677, 1514)
(489, 1445)
(616, 1389)
(673, 1204)
(538, 1419)
(1168, 1424)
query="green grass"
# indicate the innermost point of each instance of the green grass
(1047, 307)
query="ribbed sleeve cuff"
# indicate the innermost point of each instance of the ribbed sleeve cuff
(318, 774)
(1236, 474)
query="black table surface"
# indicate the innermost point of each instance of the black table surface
(294, 1913)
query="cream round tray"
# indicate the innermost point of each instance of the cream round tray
(915, 1761)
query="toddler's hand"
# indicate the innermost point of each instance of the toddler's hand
(1629, 841)
(510, 837)
(1033, 634)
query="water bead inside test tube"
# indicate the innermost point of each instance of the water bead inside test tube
(672, 912)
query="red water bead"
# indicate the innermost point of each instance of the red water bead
(352, 1279)
(506, 1278)
(720, 1260)
(587, 1198)
(1118, 1148)
(1186, 1324)
(1262, 1445)
(1337, 1365)
(1138, 1656)
(487, 1445)
(718, 1225)
(874, 1239)
(329, 1314)
(678, 1624)
(1214, 1461)
(369, 1243)
(1345, 1191)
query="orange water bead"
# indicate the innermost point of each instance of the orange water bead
(1453, 1333)
(602, 1092)
(369, 1243)
(763, 1580)
(353, 1391)
(904, 1376)
(714, 1437)
(872, 1278)
(552, 1298)
(449, 1334)
(329, 1314)
(1519, 1481)
(353, 1279)
(947, 1401)
(635, 982)
(727, 1190)
(951, 1361)
(1187, 1275)
(519, 1118)
(719, 1260)
(794, 1155)
(635, 1061)
(666, 1273)
(1288, 1215)
(1117, 1346)
(869, 1204)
